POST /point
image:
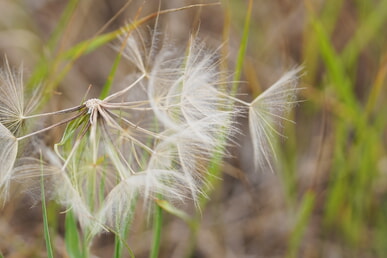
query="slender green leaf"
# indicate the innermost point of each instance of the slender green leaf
(242, 49)
(108, 84)
(168, 207)
(72, 239)
(47, 238)
(368, 29)
(301, 224)
(157, 226)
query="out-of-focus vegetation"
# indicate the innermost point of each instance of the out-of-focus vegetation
(328, 197)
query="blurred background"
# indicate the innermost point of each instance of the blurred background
(328, 195)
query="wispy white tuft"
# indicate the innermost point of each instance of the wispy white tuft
(266, 114)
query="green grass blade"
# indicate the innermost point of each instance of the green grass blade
(168, 207)
(90, 45)
(304, 214)
(368, 30)
(72, 238)
(301, 224)
(47, 238)
(108, 84)
(119, 243)
(43, 66)
(333, 63)
(63, 22)
(329, 16)
(157, 226)
(117, 247)
(242, 49)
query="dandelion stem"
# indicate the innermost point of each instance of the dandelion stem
(63, 111)
(52, 126)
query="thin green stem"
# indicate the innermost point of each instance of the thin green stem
(157, 225)
(45, 221)
(242, 49)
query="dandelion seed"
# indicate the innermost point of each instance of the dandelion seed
(267, 112)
